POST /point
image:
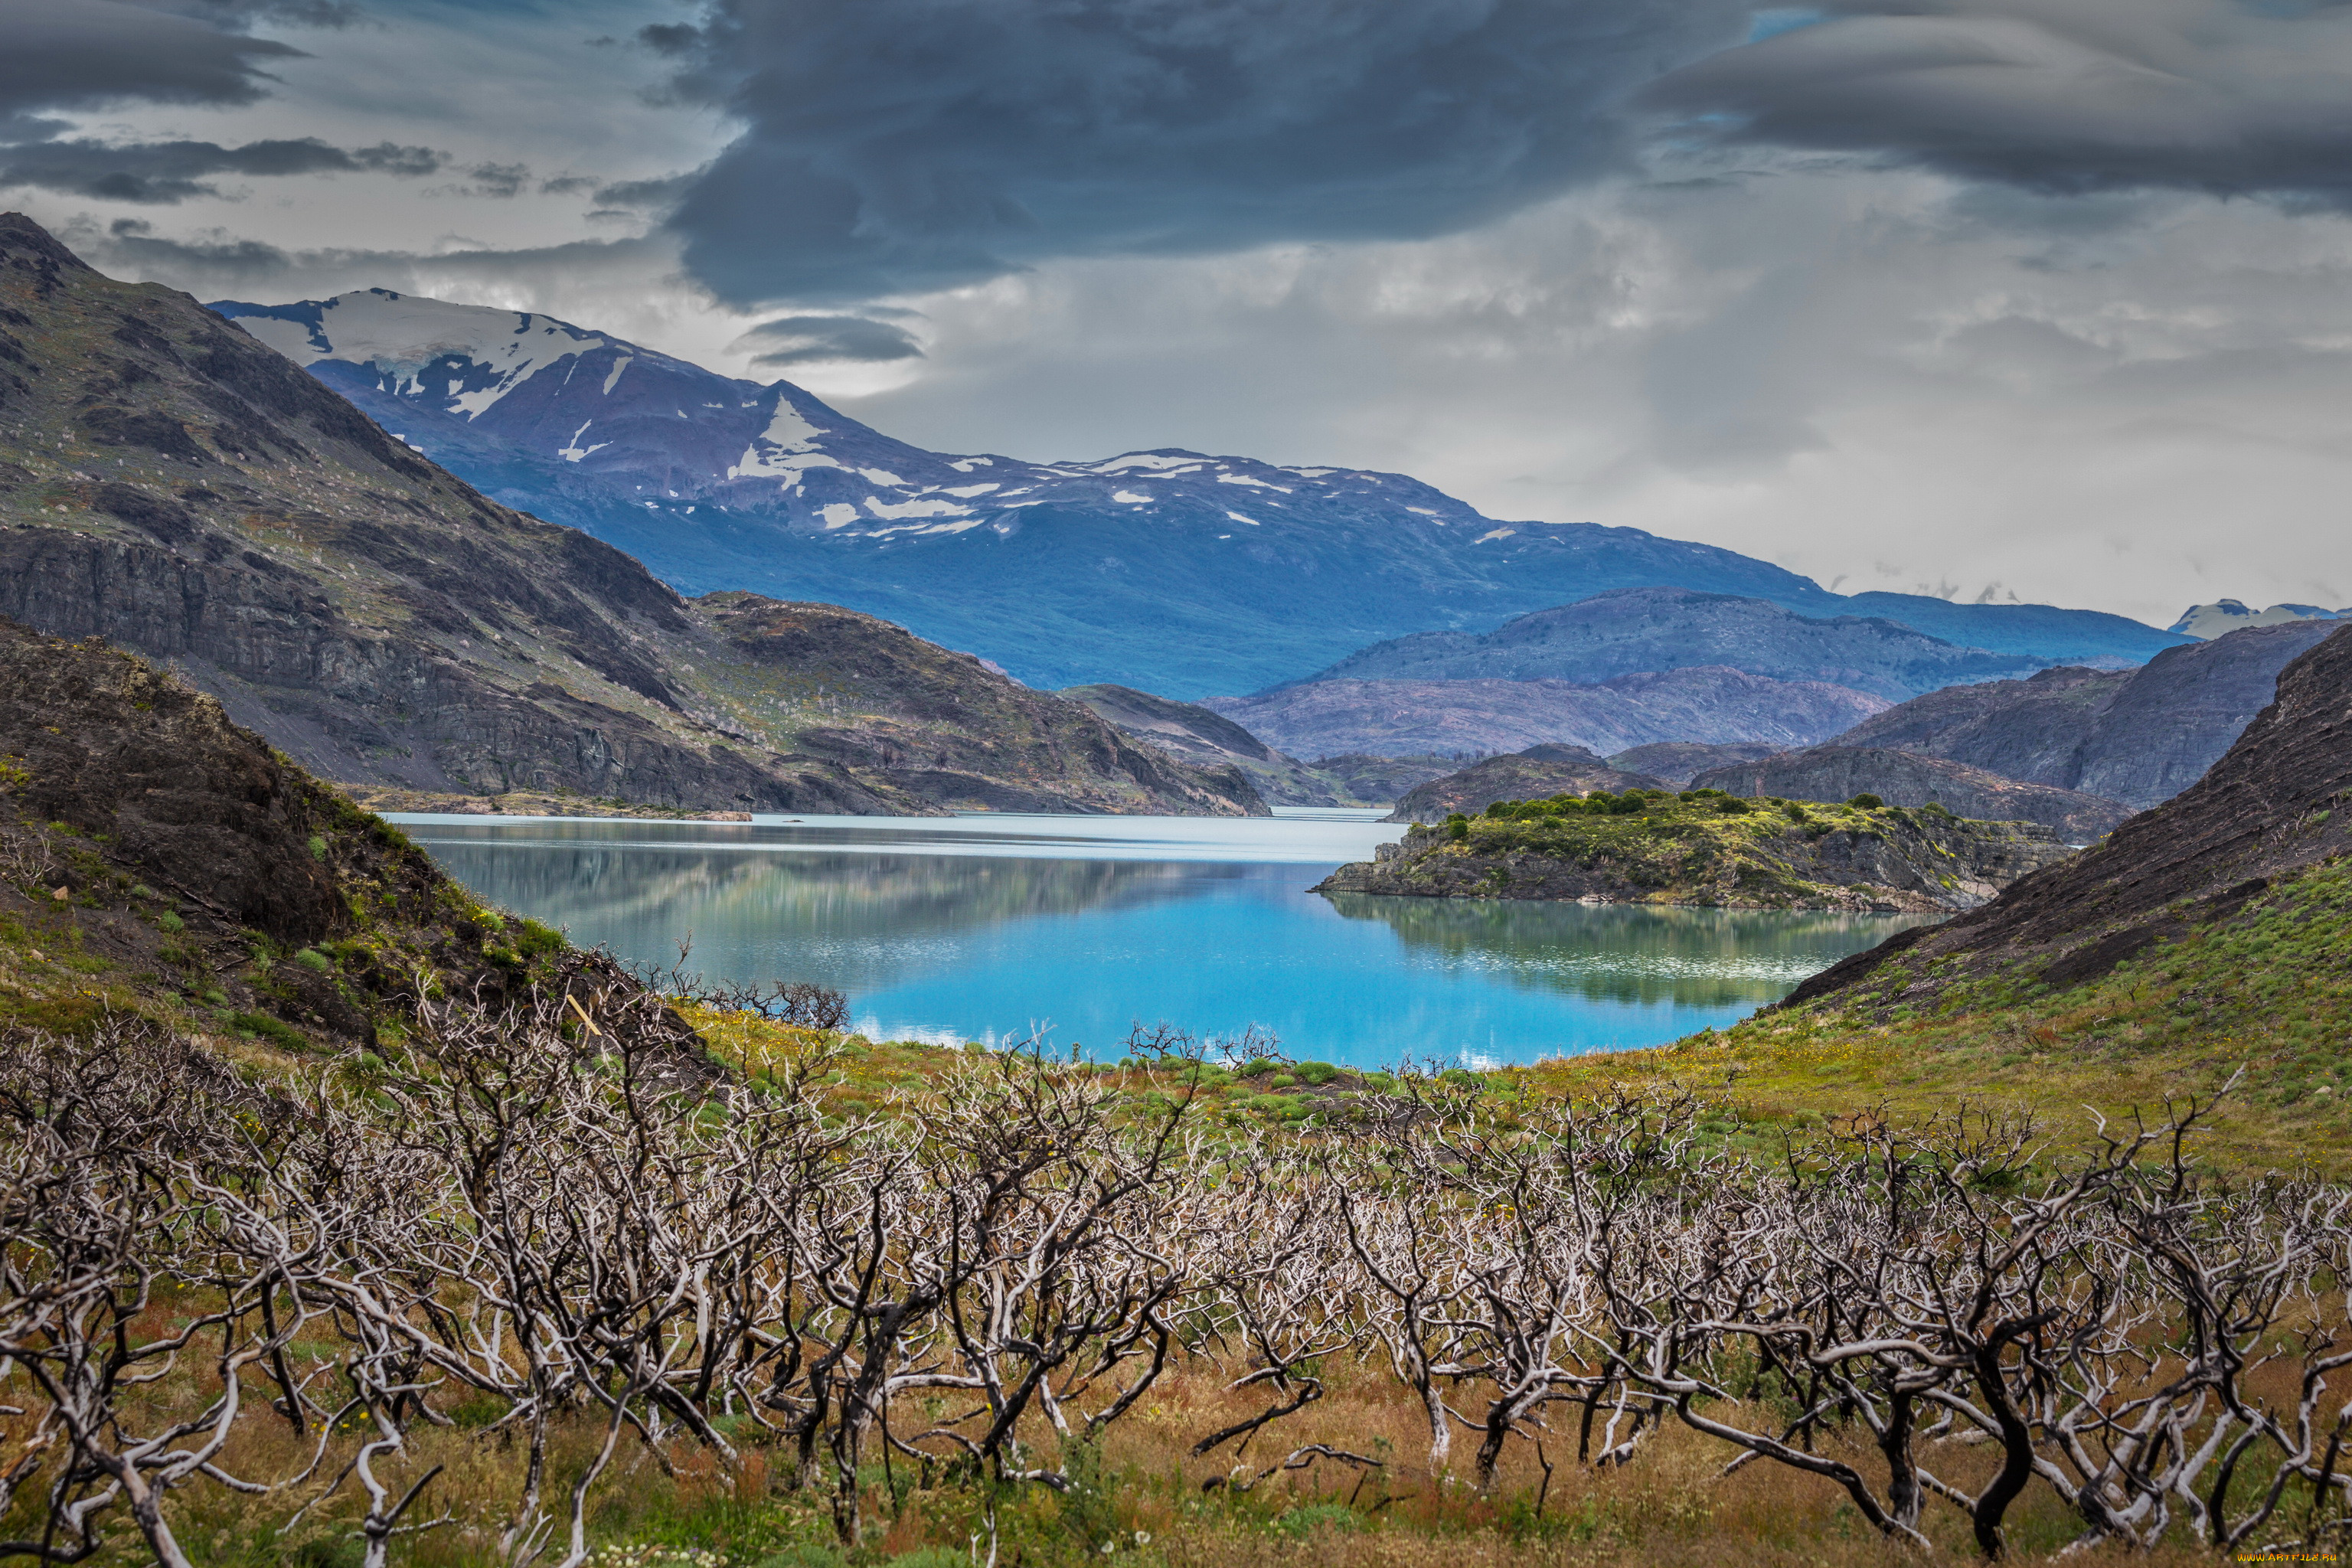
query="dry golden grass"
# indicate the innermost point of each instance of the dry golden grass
(1670, 1505)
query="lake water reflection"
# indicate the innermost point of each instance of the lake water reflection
(993, 927)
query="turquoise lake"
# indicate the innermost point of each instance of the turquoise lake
(1001, 927)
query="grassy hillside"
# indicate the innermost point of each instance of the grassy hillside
(2259, 1000)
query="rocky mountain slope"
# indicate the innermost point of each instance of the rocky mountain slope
(1537, 773)
(1707, 849)
(1164, 570)
(2260, 828)
(2138, 736)
(170, 484)
(158, 860)
(1660, 628)
(1208, 740)
(1485, 717)
(1912, 778)
(1679, 761)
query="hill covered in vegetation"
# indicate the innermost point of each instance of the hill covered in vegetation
(1704, 846)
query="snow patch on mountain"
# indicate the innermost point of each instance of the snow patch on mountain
(573, 451)
(881, 508)
(2205, 622)
(400, 336)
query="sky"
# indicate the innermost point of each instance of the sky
(1992, 299)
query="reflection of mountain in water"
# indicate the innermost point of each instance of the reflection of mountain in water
(1627, 953)
(844, 917)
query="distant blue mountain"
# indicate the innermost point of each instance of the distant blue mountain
(1170, 570)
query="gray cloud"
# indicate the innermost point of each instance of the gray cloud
(902, 145)
(654, 195)
(89, 53)
(235, 13)
(822, 339)
(2061, 96)
(160, 172)
(500, 180)
(210, 266)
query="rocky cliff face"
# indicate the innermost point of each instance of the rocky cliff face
(1635, 629)
(2272, 808)
(170, 484)
(1702, 851)
(1406, 718)
(1911, 778)
(2138, 736)
(1536, 773)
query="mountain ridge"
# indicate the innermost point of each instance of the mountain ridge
(171, 484)
(1164, 570)
(1836, 772)
(1711, 703)
(1629, 631)
(2139, 736)
(2270, 811)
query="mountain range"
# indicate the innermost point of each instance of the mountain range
(1713, 703)
(2260, 827)
(1627, 631)
(172, 485)
(1170, 570)
(1838, 772)
(2076, 750)
(2138, 736)
(2223, 616)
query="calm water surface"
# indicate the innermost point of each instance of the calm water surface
(997, 927)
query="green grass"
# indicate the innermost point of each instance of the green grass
(1701, 846)
(2264, 997)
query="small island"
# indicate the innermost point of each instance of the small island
(1705, 847)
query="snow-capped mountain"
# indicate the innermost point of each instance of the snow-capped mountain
(2223, 617)
(673, 432)
(1166, 570)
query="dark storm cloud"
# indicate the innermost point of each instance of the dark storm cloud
(894, 145)
(216, 264)
(89, 53)
(2063, 96)
(247, 260)
(158, 172)
(822, 339)
(663, 191)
